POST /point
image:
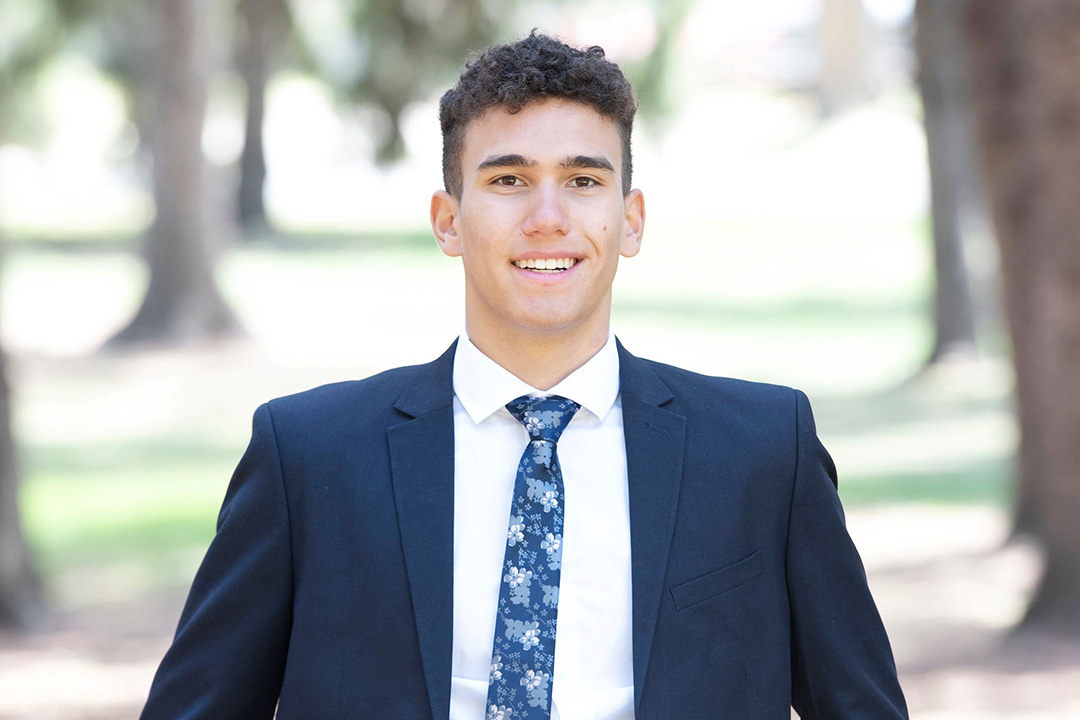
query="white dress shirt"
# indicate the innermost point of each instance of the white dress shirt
(593, 677)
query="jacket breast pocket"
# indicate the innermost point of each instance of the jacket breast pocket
(717, 582)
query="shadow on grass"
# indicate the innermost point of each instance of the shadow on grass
(144, 539)
(418, 241)
(72, 461)
(396, 241)
(983, 483)
(133, 501)
(900, 406)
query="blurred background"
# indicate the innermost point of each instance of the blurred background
(204, 205)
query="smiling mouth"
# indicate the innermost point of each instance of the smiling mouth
(549, 265)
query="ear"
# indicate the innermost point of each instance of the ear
(634, 225)
(444, 222)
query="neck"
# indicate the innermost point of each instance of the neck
(541, 360)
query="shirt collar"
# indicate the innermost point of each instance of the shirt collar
(483, 386)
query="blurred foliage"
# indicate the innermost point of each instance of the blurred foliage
(379, 55)
(652, 76)
(35, 33)
(387, 53)
(30, 32)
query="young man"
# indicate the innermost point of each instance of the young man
(538, 524)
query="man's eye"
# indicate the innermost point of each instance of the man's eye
(584, 182)
(507, 180)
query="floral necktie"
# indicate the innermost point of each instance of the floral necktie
(523, 656)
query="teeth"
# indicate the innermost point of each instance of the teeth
(546, 265)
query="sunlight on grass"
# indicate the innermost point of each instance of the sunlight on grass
(134, 514)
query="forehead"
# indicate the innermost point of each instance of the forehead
(544, 131)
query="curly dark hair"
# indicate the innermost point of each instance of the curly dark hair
(537, 67)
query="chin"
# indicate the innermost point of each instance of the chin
(547, 325)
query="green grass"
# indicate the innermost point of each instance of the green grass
(132, 501)
(978, 484)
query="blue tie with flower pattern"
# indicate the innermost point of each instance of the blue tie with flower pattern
(523, 656)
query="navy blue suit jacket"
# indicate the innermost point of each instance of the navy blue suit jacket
(327, 591)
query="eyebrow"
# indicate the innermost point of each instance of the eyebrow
(586, 161)
(502, 161)
(569, 163)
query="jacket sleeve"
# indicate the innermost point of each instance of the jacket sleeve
(228, 656)
(842, 665)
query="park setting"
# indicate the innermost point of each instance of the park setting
(205, 206)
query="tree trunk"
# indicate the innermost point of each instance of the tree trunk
(955, 206)
(654, 81)
(1024, 56)
(263, 25)
(182, 302)
(21, 603)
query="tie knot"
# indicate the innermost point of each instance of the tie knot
(544, 418)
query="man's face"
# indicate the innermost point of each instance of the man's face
(541, 221)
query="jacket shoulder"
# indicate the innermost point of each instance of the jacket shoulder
(371, 399)
(689, 387)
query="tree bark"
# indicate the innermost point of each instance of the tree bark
(1024, 56)
(21, 604)
(263, 26)
(955, 204)
(182, 302)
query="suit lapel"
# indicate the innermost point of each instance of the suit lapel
(655, 442)
(422, 467)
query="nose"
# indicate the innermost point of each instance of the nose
(547, 216)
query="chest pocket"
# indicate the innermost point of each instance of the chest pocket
(717, 582)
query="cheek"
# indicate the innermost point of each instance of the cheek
(484, 229)
(480, 253)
